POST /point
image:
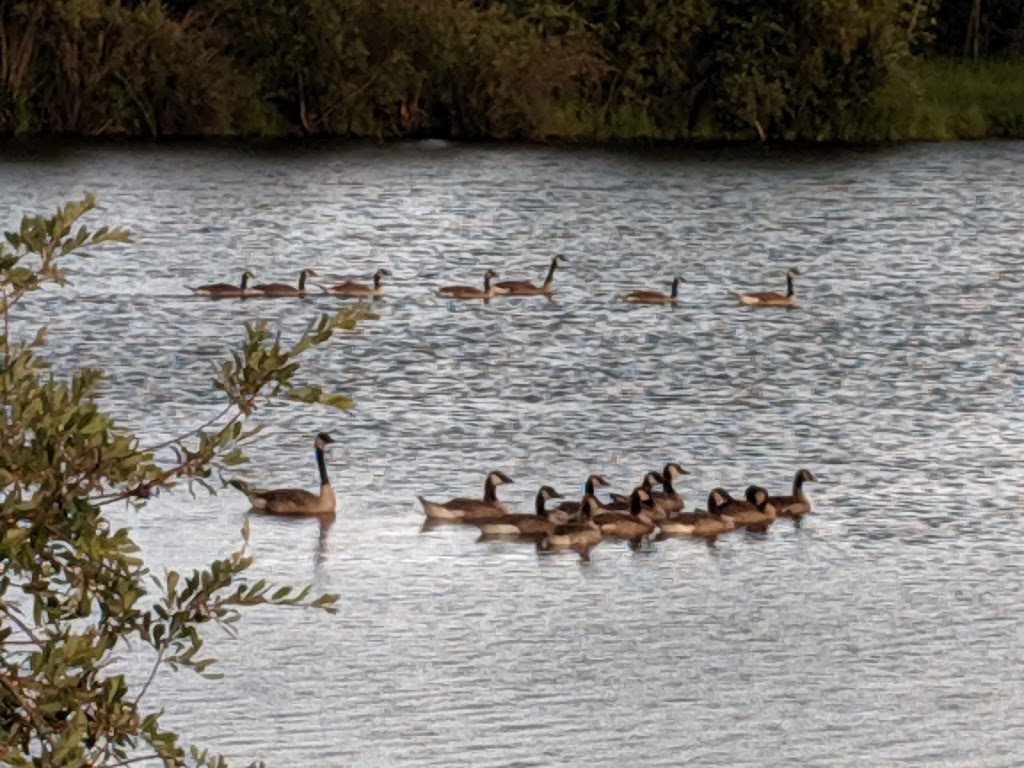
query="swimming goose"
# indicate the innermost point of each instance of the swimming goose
(755, 512)
(797, 504)
(526, 288)
(668, 501)
(225, 290)
(537, 524)
(593, 482)
(621, 502)
(705, 524)
(469, 292)
(632, 525)
(358, 290)
(468, 510)
(283, 289)
(578, 537)
(654, 297)
(295, 501)
(770, 298)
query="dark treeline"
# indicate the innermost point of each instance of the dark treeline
(520, 69)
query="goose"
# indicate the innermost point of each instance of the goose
(537, 524)
(295, 501)
(359, 290)
(633, 525)
(593, 482)
(224, 290)
(283, 289)
(770, 298)
(654, 297)
(621, 502)
(754, 513)
(468, 510)
(703, 524)
(526, 288)
(668, 501)
(797, 504)
(578, 537)
(469, 292)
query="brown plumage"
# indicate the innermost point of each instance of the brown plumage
(796, 505)
(621, 502)
(283, 289)
(469, 292)
(468, 510)
(359, 290)
(531, 526)
(578, 537)
(632, 525)
(526, 288)
(295, 501)
(226, 290)
(755, 512)
(654, 297)
(667, 501)
(771, 298)
(706, 524)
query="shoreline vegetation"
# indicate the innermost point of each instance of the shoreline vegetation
(549, 71)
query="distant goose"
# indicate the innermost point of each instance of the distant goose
(770, 298)
(631, 526)
(703, 524)
(654, 297)
(226, 290)
(755, 512)
(593, 482)
(526, 288)
(621, 502)
(468, 510)
(469, 292)
(797, 504)
(283, 289)
(578, 537)
(295, 501)
(359, 290)
(537, 524)
(668, 500)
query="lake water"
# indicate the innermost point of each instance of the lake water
(886, 630)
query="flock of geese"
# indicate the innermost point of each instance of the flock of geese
(488, 291)
(576, 526)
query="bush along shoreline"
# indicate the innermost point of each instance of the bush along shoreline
(847, 71)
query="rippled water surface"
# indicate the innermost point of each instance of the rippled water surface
(886, 630)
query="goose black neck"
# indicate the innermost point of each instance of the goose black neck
(675, 288)
(376, 281)
(634, 504)
(322, 466)
(302, 280)
(245, 281)
(551, 273)
(588, 488)
(798, 484)
(487, 283)
(490, 490)
(666, 483)
(789, 285)
(539, 506)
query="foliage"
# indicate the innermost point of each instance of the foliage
(74, 592)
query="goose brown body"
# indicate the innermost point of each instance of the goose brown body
(654, 297)
(533, 526)
(632, 525)
(667, 501)
(358, 290)
(469, 510)
(296, 501)
(283, 289)
(469, 292)
(706, 524)
(526, 288)
(771, 298)
(754, 512)
(796, 505)
(580, 537)
(226, 290)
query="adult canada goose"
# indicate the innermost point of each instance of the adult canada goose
(754, 513)
(283, 289)
(359, 290)
(632, 526)
(707, 524)
(654, 297)
(469, 292)
(468, 510)
(668, 501)
(621, 502)
(295, 501)
(526, 288)
(578, 537)
(537, 524)
(797, 504)
(770, 298)
(589, 488)
(225, 290)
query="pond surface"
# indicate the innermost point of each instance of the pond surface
(886, 630)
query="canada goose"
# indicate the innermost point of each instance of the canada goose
(668, 501)
(358, 290)
(468, 510)
(621, 502)
(469, 292)
(754, 513)
(225, 290)
(593, 482)
(526, 288)
(578, 537)
(537, 524)
(702, 524)
(770, 298)
(295, 501)
(283, 289)
(654, 297)
(632, 526)
(796, 505)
